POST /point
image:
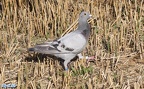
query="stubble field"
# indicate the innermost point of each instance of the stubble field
(117, 40)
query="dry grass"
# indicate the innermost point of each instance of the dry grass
(117, 39)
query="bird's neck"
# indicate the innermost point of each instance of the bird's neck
(84, 28)
(83, 24)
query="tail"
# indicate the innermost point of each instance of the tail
(31, 49)
(40, 48)
(44, 49)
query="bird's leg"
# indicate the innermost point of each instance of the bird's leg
(81, 57)
(65, 64)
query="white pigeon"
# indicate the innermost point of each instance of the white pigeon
(70, 45)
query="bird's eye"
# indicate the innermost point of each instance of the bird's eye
(84, 13)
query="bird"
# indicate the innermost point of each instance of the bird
(70, 45)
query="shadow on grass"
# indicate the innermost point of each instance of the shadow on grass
(38, 57)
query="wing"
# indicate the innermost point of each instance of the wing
(73, 42)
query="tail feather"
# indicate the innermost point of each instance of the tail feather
(45, 49)
(40, 48)
(31, 49)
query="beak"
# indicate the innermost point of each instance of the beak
(90, 15)
(91, 18)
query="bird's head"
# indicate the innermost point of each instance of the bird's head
(84, 16)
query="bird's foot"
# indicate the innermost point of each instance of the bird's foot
(66, 69)
(91, 59)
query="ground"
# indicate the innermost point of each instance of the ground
(117, 41)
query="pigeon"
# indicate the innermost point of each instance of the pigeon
(70, 45)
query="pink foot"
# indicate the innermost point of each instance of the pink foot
(91, 59)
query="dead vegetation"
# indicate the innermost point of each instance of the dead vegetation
(117, 39)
